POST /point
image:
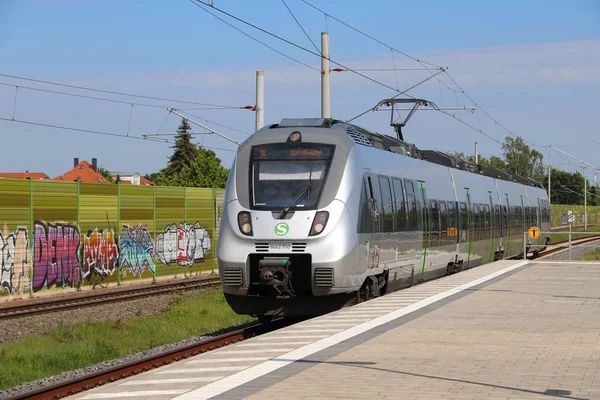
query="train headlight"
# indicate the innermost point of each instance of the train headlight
(245, 223)
(319, 223)
(295, 136)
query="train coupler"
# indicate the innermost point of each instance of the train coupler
(275, 273)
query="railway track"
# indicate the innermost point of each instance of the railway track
(563, 247)
(69, 302)
(88, 381)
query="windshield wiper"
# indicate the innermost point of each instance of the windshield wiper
(295, 200)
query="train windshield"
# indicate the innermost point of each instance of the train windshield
(289, 175)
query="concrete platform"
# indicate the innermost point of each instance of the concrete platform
(507, 330)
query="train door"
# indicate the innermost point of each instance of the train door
(375, 212)
(425, 223)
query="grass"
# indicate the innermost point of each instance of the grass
(68, 347)
(592, 230)
(591, 256)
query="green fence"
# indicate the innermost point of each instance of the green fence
(71, 235)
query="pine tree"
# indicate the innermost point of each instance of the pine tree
(185, 151)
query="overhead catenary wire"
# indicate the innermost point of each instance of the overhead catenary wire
(300, 25)
(460, 89)
(250, 36)
(104, 99)
(214, 123)
(91, 131)
(115, 92)
(369, 36)
(200, 4)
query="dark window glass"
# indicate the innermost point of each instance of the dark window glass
(497, 221)
(411, 200)
(388, 204)
(464, 222)
(434, 223)
(284, 174)
(487, 218)
(364, 219)
(452, 221)
(443, 223)
(401, 219)
(376, 195)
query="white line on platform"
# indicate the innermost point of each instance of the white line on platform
(115, 395)
(172, 380)
(297, 330)
(274, 350)
(227, 360)
(263, 344)
(345, 315)
(202, 369)
(240, 378)
(292, 337)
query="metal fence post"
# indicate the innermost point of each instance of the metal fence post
(117, 230)
(32, 238)
(214, 230)
(569, 246)
(524, 245)
(79, 229)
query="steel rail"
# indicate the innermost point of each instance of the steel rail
(69, 302)
(98, 378)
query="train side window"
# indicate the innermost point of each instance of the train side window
(411, 202)
(376, 196)
(452, 220)
(475, 221)
(400, 205)
(464, 221)
(388, 205)
(434, 226)
(443, 223)
(364, 220)
(504, 221)
(487, 220)
(497, 221)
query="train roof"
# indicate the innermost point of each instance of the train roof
(367, 138)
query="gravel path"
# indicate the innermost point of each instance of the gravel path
(29, 386)
(576, 252)
(15, 328)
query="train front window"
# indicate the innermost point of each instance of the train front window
(285, 174)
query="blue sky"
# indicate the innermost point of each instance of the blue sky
(533, 65)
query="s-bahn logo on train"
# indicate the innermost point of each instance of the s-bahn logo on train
(282, 229)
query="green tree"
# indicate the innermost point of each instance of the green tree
(205, 171)
(106, 174)
(521, 160)
(494, 161)
(567, 187)
(593, 199)
(185, 151)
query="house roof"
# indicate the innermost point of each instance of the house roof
(84, 173)
(24, 175)
(145, 181)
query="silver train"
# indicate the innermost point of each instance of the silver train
(319, 213)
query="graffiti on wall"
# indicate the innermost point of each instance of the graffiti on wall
(100, 253)
(184, 244)
(55, 255)
(14, 260)
(136, 250)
